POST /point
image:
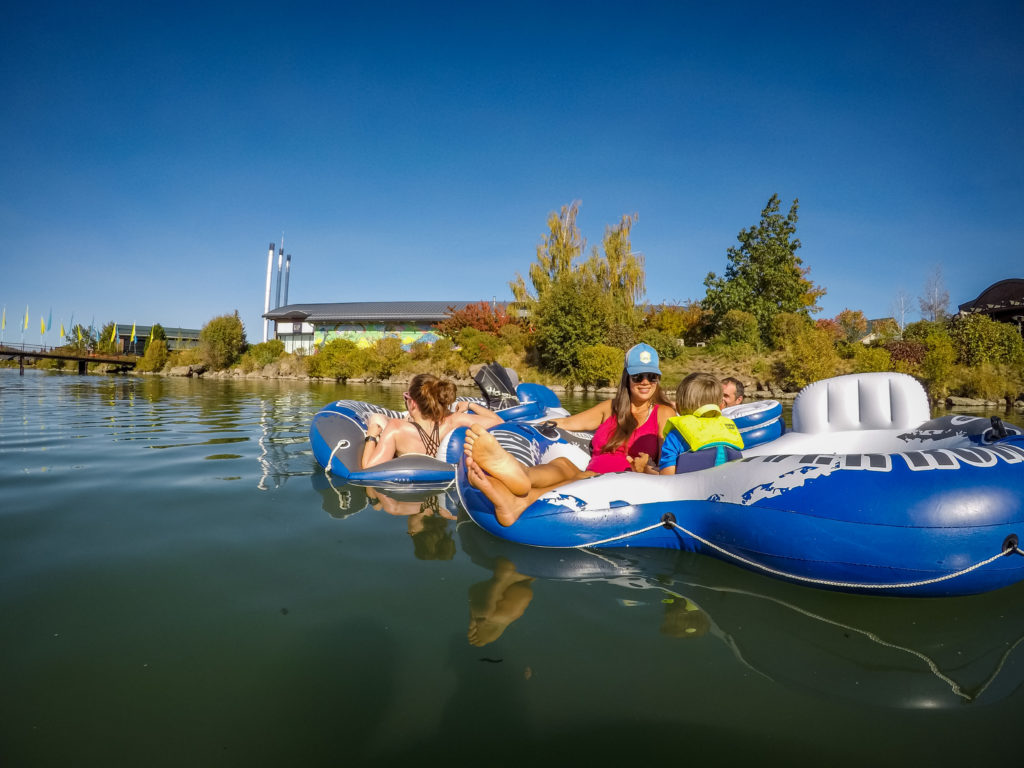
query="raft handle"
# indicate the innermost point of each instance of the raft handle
(998, 428)
(1010, 545)
(669, 520)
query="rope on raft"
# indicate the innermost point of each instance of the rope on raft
(342, 444)
(1010, 546)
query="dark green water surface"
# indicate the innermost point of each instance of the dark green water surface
(180, 585)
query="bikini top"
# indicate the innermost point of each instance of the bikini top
(432, 441)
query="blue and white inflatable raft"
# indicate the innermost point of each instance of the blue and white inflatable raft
(866, 493)
(337, 431)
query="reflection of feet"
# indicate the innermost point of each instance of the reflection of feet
(497, 602)
(507, 506)
(482, 446)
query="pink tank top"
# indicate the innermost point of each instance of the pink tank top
(643, 440)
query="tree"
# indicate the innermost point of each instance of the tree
(853, 324)
(573, 315)
(555, 256)
(222, 341)
(900, 309)
(934, 300)
(481, 315)
(155, 357)
(619, 273)
(764, 275)
(677, 320)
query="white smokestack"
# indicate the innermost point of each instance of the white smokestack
(287, 272)
(266, 299)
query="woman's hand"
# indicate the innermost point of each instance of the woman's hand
(378, 420)
(639, 462)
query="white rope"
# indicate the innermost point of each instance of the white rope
(811, 580)
(342, 444)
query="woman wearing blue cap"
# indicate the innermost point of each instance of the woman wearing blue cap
(626, 428)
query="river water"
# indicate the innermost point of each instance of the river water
(180, 585)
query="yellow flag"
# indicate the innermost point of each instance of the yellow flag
(113, 333)
(62, 334)
(79, 329)
(42, 325)
(25, 326)
(3, 322)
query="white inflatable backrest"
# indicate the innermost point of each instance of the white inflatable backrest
(861, 401)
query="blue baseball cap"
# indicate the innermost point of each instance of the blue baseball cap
(642, 358)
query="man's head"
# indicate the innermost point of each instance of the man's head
(732, 392)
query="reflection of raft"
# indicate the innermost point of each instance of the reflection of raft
(337, 431)
(865, 493)
(922, 654)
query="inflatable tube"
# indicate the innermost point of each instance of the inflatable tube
(337, 431)
(935, 510)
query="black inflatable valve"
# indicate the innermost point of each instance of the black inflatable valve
(998, 428)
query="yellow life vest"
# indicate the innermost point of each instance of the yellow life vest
(701, 431)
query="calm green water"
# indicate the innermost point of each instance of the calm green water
(179, 585)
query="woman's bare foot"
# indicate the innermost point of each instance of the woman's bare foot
(484, 449)
(507, 506)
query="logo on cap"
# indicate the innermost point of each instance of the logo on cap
(645, 357)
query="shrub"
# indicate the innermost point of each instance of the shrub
(911, 352)
(571, 316)
(184, 357)
(811, 357)
(155, 358)
(260, 355)
(786, 327)
(385, 357)
(478, 346)
(600, 365)
(737, 326)
(481, 316)
(337, 359)
(937, 365)
(665, 345)
(222, 341)
(868, 359)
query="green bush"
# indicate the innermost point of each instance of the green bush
(337, 359)
(155, 358)
(260, 355)
(601, 365)
(665, 344)
(811, 357)
(477, 346)
(222, 341)
(868, 359)
(786, 327)
(572, 315)
(386, 357)
(737, 326)
(937, 365)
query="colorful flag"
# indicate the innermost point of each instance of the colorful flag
(113, 334)
(133, 334)
(42, 325)
(49, 319)
(79, 334)
(3, 322)
(25, 326)
(62, 334)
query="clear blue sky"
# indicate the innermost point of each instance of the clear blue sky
(151, 152)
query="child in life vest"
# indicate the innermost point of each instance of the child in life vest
(701, 437)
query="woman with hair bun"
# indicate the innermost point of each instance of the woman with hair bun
(429, 401)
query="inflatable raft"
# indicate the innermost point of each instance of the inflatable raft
(337, 431)
(866, 493)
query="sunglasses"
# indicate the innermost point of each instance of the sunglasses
(636, 378)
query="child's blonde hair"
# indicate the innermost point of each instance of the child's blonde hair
(696, 390)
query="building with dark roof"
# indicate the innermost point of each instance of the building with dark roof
(1002, 301)
(305, 326)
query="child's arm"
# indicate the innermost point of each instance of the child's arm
(670, 450)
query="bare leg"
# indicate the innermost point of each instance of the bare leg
(507, 505)
(483, 449)
(497, 602)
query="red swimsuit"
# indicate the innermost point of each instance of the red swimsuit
(643, 440)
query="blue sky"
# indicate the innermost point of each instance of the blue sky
(151, 152)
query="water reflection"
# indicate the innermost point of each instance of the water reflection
(893, 652)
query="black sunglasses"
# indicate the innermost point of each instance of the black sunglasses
(636, 378)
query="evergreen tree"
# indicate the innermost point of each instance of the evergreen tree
(764, 276)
